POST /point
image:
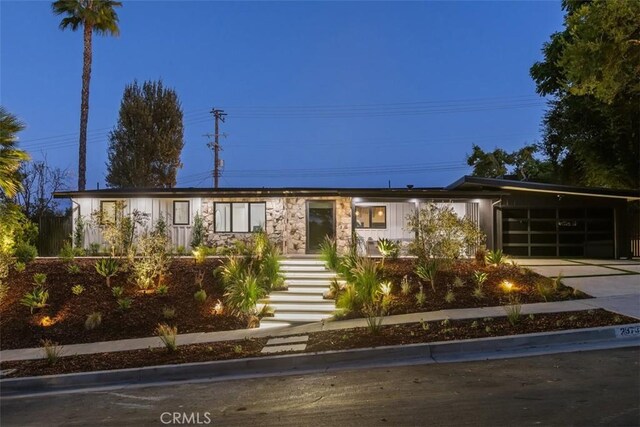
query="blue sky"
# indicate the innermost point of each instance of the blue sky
(327, 94)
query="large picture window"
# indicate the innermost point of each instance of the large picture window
(239, 217)
(371, 217)
(181, 212)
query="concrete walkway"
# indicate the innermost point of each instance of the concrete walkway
(617, 292)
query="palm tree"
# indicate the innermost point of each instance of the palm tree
(91, 15)
(10, 156)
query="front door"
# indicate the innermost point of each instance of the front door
(320, 224)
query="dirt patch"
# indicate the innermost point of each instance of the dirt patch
(448, 330)
(66, 313)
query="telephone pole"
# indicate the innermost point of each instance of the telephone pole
(218, 116)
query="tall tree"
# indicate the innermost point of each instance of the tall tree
(591, 131)
(96, 16)
(39, 181)
(522, 163)
(145, 145)
(10, 156)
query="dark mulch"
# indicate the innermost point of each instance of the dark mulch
(137, 358)
(19, 328)
(524, 279)
(447, 330)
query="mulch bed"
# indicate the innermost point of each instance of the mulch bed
(524, 279)
(320, 341)
(411, 333)
(68, 312)
(137, 358)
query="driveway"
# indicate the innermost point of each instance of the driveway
(614, 284)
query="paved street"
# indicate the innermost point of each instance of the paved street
(591, 388)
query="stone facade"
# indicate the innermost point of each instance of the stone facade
(285, 222)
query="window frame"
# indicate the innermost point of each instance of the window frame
(188, 202)
(115, 213)
(230, 231)
(371, 210)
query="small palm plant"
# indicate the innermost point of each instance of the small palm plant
(388, 248)
(107, 268)
(427, 272)
(496, 258)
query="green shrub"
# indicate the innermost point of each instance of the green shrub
(200, 254)
(154, 259)
(200, 296)
(545, 290)
(93, 321)
(243, 295)
(496, 257)
(405, 286)
(39, 279)
(479, 277)
(25, 252)
(117, 291)
(4, 290)
(513, 311)
(167, 335)
(19, 266)
(77, 289)
(348, 299)
(421, 298)
(347, 264)
(374, 315)
(270, 276)
(388, 248)
(427, 272)
(197, 232)
(94, 249)
(78, 232)
(67, 254)
(73, 268)
(168, 313)
(107, 268)
(366, 280)
(450, 296)
(329, 253)
(162, 289)
(37, 298)
(52, 351)
(124, 303)
(458, 282)
(478, 292)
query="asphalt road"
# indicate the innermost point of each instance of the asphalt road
(585, 389)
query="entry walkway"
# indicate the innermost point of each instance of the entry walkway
(617, 291)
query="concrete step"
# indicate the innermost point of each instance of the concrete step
(309, 275)
(307, 289)
(303, 268)
(302, 262)
(320, 307)
(309, 282)
(297, 317)
(269, 323)
(291, 297)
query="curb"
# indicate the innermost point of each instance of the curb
(423, 353)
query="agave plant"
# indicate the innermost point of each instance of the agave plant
(388, 248)
(107, 268)
(37, 298)
(496, 257)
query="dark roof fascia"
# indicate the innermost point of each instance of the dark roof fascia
(280, 192)
(478, 183)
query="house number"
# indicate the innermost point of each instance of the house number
(627, 331)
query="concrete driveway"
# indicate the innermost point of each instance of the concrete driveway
(614, 284)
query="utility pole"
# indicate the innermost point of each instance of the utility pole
(218, 116)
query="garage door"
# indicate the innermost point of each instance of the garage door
(563, 232)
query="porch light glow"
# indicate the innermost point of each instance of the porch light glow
(46, 321)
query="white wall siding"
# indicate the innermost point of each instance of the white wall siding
(396, 222)
(153, 207)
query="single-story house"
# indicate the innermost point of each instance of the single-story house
(524, 219)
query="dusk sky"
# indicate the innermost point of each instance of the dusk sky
(320, 94)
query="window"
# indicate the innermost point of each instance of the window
(108, 212)
(239, 217)
(181, 212)
(371, 217)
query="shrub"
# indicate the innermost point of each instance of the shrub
(19, 266)
(37, 298)
(374, 315)
(481, 255)
(154, 257)
(197, 232)
(405, 287)
(167, 335)
(440, 233)
(124, 303)
(162, 289)
(117, 291)
(427, 272)
(181, 250)
(119, 230)
(386, 288)
(73, 268)
(168, 312)
(366, 280)
(77, 289)
(200, 296)
(270, 276)
(421, 298)
(39, 279)
(329, 253)
(25, 252)
(478, 292)
(458, 282)
(496, 257)
(4, 290)
(450, 296)
(334, 289)
(348, 299)
(388, 248)
(513, 311)
(93, 321)
(67, 254)
(243, 295)
(52, 351)
(107, 268)
(200, 254)
(94, 249)
(479, 277)
(237, 349)
(78, 233)
(347, 264)
(545, 290)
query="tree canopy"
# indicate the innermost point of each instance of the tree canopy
(591, 131)
(145, 145)
(498, 163)
(11, 157)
